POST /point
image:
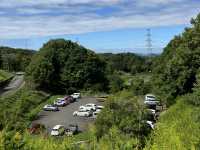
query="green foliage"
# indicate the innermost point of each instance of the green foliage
(113, 140)
(127, 62)
(178, 128)
(116, 83)
(17, 109)
(4, 76)
(140, 87)
(124, 112)
(176, 68)
(64, 66)
(15, 59)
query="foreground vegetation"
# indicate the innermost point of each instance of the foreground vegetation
(4, 76)
(19, 109)
(111, 132)
(178, 128)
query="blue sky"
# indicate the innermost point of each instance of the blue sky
(101, 25)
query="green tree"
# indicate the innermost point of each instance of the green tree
(124, 112)
(61, 65)
(176, 69)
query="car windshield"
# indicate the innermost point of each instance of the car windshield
(83, 110)
(150, 97)
(54, 129)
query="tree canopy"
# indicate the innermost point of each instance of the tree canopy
(15, 59)
(64, 66)
(176, 69)
(127, 62)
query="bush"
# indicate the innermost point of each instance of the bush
(139, 87)
(116, 83)
(178, 128)
(124, 112)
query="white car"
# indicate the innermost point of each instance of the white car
(50, 108)
(99, 108)
(60, 102)
(76, 95)
(88, 107)
(150, 124)
(58, 130)
(82, 113)
(150, 99)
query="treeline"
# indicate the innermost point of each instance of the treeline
(15, 59)
(62, 66)
(128, 62)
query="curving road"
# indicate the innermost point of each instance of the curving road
(16, 83)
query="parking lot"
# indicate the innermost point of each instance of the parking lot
(65, 115)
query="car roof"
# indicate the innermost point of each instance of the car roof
(150, 95)
(90, 104)
(57, 126)
(98, 106)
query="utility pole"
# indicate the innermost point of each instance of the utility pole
(149, 42)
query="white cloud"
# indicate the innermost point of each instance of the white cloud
(47, 19)
(11, 3)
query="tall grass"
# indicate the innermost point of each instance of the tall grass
(177, 129)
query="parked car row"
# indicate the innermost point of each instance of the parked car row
(88, 110)
(61, 102)
(151, 104)
(60, 130)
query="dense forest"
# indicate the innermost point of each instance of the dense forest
(15, 59)
(128, 62)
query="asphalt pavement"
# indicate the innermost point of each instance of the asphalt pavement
(65, 115)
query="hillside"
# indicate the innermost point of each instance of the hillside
(12, 59)
(4, 76)
(178, 128)
(178, 86)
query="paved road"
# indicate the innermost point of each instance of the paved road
(14, 84)
(65, 117)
